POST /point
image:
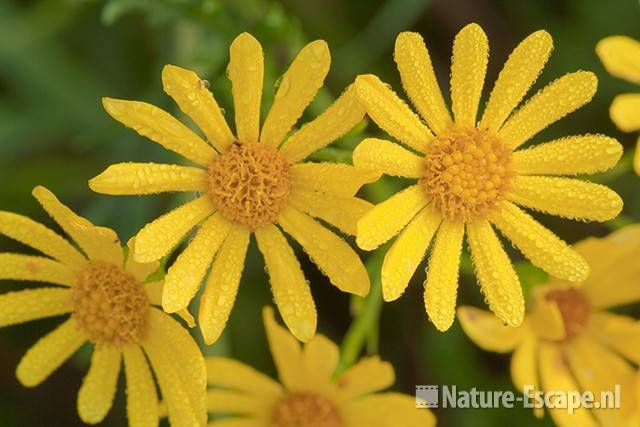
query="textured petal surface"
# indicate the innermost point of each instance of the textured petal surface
(140, 270)
(49, 353)
(142, 397)
(290, 288)
(148, 178)
(333, 178)
(246, 72)
(99, 385)
(388, 158)
(419, 80)
(406, 253)
(286, 352)
(158, 237)
(185, 274)
(333, 256)
(36, 235)
(516, 77)
(569, 198)
(624, 112)
(161, 127)
(468, 70)
(196, 101)
(339, 118)
(487, 331)
(441, 286)
(298, 86)
(386, 219)
(99, 243)
(389, 410)
(32, 304)
(229, 373)
(498, 280)
(621, 57)
(367, 376)
(569, 156)
(391, 113)
(543, 248)
(559, 98)
(220, 292)
(36, 269)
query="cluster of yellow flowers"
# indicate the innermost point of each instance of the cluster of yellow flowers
(472, 176)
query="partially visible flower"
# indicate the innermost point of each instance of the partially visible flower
(471, 175)
(111, 307)
(309, 394)
(570, 341)
(253, 182)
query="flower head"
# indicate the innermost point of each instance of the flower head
(110, 306)
(569, 341)
(309, 394)
(252, 182)
(471, 174)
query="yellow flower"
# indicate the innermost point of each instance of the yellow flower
(469, 177)
(569, 341)
(111, 307)
(309, 394)
(621, 57)
(252, 182)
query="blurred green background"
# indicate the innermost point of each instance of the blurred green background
(59, 57)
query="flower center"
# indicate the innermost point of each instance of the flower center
(574, 309)
(468, 171)
(109, 305)
(301, 409)
(250, 184)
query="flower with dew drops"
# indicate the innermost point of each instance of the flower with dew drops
(472, 175)
(621, 57)
(309, 393)
(253, 182)
(569, 340)
(112, 308)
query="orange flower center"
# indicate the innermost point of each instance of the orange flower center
(574, 309)
(468, 172)
(302, 409)
(250, 184)
(109, 305)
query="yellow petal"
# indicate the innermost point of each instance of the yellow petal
(569, 156)
(231, 374)
(388, 158)
(520, 71)
(235, 403)
(196, 101)
(49, 353)
(543, 248)
(32, 304)
(185, 274)
(487, 331)
(142, 398)
(419, 80)
(160, 127)
(99, 243)
(524, 363)
(333, 256)
(35, 269)
(220, 292)
(391, 113)
(297, 88)
(621, 333)
(625, 113)
(321, 358)
(441, 286)
(236, 422)
(556, 100)
(498, 280)
(406, 253)
(569, 198)
(148, 178)
(290, 289)
(246, 72)
(323, 206)
(621, 57)
(468, 70)
(99, 385)
(286, 352)
(544, 317)
(140, 270)
(338, 119)
(367, 376)
(386, 219)
(333, 178)
(389, 410)
(31, 233)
